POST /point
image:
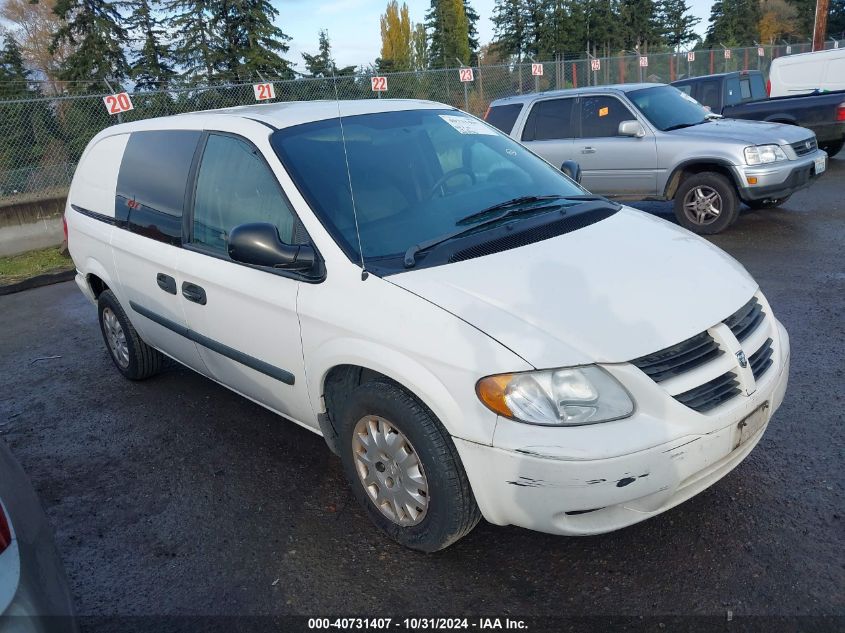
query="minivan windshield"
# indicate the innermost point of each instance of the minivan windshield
(416, 176)
(667, 108)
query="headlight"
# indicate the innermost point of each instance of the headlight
(761, 154)
(557, 397)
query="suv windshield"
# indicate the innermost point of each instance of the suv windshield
(415, 175)
(667, 108)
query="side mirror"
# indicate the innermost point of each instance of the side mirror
(631, 128)
(572, 169)
(258, 243)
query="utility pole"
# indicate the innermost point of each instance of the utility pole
(820, 24)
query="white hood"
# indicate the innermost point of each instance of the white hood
(610, 292)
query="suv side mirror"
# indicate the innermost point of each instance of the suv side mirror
(258, 243)
(572, 169)
(631, 128)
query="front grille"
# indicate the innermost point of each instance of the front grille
(802, 148)
(711, 394)
(538, 234)
(745, 320)
(761, 360)
(679, 358)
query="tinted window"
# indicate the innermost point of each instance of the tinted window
(235, 186)
(732, 93)
(601, 116)
(549, 120)
(708, 95)
(745, 88)
(503, 116)
(758, 88)
(685, 88)
(152, 182)
(667, 108)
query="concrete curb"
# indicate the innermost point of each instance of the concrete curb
(38, 281)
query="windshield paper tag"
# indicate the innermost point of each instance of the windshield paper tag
(466, 125)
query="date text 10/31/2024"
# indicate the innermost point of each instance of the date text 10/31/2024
(416, 624)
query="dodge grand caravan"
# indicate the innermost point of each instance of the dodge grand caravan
(470, 331)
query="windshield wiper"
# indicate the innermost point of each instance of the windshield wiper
(683, 125)
(508, 211)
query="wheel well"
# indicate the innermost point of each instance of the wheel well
(686, 171)
(97, 285)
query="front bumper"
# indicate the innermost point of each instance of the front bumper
(573, 490)
(778, 180)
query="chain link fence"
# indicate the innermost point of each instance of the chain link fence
(42, 138)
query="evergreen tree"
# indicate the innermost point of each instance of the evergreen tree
(198, 48)
(836, 20)
(322, 64)
(472, 31)
(556, 31)
(395, 38)
(252, 44)
(447, 23)
(677, 23)
(640, 28)
(733, 23)
(419, 47)
(93, 28)
(152, 67)
(510, 28)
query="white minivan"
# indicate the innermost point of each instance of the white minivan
(469, 330)
(807, 72)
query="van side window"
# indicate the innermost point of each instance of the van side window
(235, 186)
(601, 116)
(551, 119)
(152, 181)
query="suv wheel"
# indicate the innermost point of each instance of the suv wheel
(767, 203)
(404, 469)
(133, 358)
(706, 203)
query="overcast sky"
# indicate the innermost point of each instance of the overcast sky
(353, 25)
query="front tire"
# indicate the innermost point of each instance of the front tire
(706, 203)
(404, 469)
(767, 203)
(133, 358)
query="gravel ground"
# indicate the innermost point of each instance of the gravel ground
(176, 496)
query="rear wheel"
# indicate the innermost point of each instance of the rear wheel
(706, 203)
(767, 203)
(404, 469)
(133, 358)
(834, 147)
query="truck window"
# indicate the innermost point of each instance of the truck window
(152, 181)
(601, 116)
(687, 88)
(503, 116)
(732, 91)
(758, 88)
(745, 88)
(551, 119)
(235, 186)
(708, 95)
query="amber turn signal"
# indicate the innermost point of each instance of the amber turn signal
(491, 391)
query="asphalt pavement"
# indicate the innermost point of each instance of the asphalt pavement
(176, 496)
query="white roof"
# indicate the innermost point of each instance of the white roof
(278, 115)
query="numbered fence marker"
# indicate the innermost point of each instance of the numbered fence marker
(691, 56)
(727, 53)
(789, 50)
(537, 70)
(465, 74)
(118, 103)
(378, 84)
(595, 64)
(263, 92)
(760, 51)
(644, 62)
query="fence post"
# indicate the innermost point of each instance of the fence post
(712, 70)
(574, 75)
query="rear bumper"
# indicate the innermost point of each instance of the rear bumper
(583, 496)
(778, 180)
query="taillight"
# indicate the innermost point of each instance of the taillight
(769, 87)
(5, 531)
(64, 227)
(840, 112)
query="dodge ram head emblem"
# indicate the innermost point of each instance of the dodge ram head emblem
(743, 361)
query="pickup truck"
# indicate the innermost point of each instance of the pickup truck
(653, 142)
(742, 95)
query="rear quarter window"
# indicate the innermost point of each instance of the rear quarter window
(152, 182)
(503, 117)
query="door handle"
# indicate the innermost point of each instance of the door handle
(166, 283)
(588, 150)
(193, 292)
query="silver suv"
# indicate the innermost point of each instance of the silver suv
(652, 141)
